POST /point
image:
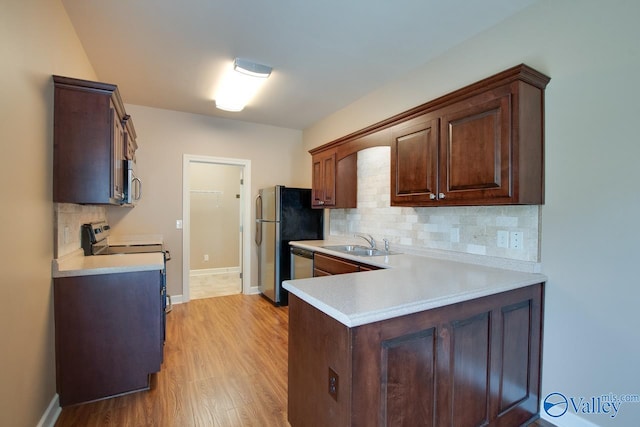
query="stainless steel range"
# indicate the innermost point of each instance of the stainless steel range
(95, 241)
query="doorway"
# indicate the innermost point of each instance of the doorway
(214, 214)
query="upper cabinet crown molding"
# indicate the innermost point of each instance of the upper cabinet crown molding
(480, 145)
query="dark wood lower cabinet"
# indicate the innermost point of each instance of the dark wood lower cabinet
(475, 363)
(329, 265)
(109, 334)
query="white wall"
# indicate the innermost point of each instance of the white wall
(277, 157)
(36, 41)
(589, 226)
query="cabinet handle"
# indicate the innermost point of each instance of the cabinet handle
(432, 196)
(441, 196)
(138, 186)
(321, 202)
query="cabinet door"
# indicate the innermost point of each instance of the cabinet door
(88, 143)
(324, 180)
(117, 158)
(475, 149)
(414, 162)
(329, 180)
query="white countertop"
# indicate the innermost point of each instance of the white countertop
(76, 264)
(407, 284)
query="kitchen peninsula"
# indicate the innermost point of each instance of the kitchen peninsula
(421, 341)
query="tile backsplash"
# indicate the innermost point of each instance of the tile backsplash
(470, 230)
(70, 217)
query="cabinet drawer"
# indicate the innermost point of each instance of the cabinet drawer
(333, 265)
(320, 273)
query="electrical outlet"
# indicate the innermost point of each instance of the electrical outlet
(334, 381)
(205, 257)
(517, 240)
(503, 239)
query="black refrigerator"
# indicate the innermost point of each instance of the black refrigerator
(282, 215)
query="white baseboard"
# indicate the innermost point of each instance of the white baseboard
(179, 299)
(210, 271)
(52, 413)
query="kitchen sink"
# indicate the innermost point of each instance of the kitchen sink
(358, 250)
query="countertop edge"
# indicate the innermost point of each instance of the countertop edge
(400, 310)
(380, 261)
(510, 280)
(77, 264)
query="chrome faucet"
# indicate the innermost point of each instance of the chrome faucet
(369, 240)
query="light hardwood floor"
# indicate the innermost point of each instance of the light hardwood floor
(225, 365)
(214, 285)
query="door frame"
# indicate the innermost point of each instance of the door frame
(245, 209)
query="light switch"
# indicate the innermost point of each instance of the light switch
(178, 224)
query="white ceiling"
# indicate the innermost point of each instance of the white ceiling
(325, 54)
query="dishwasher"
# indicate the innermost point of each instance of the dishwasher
(301, 263)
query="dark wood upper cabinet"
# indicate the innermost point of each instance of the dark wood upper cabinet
(92, 137)
(486, 149)
(324, 180)
(480, 145)
(334, 181)
(414, 161)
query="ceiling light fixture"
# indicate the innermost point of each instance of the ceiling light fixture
(240, 84)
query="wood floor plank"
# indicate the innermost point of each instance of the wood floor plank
(225, 365)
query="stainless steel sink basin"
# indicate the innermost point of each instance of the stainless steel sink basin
(358, 250)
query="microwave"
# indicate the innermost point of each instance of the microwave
(133, 185)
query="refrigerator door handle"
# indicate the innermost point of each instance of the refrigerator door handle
(258, 237)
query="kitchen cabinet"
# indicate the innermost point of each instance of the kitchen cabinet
(130, 144)
(482, 144)
(92, 137)
(324, 180)
(414, 161)
(334, 180)
(108, 334)
(328, 265)
(335, 169)
(483, 149)
(476, 362)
